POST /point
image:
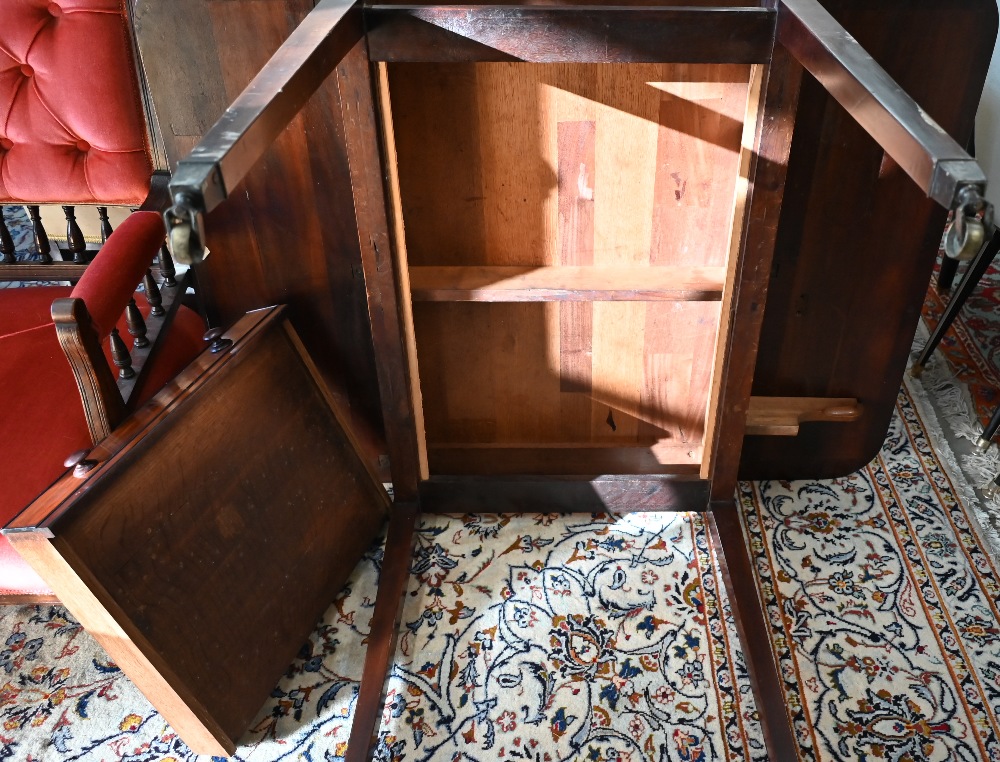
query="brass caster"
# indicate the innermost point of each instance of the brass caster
(964, 238)
(983, 444)
(916, 370)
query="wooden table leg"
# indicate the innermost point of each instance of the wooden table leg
(384, 630)
(735, 560)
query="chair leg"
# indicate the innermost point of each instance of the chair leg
(6, 243)
(384, 631)
(946, 275)
(735, 559)
(977, 268)
(991, 429)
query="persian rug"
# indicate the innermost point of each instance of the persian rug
(543, 637)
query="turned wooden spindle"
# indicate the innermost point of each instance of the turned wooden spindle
(74, 237)
(6, 243)
(167, 266)
(120, 355)
(41, 237)
(152, 294)
(136, 325)
(106, 229)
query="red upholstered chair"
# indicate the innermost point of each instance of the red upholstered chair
(73, 131)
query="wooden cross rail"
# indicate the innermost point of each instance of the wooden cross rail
(570, 33)
(928, 154)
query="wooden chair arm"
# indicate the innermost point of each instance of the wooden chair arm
(102, 403)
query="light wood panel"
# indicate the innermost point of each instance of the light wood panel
(781, 416)
(605, 188)
(736, 225)
(494, 372)
(571, 284)
(565, 458)
(399, 239)
(479, 160)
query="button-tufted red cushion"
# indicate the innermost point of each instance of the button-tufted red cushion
(72, 129)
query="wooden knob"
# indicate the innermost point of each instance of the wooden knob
(217, 342)
(79, 462)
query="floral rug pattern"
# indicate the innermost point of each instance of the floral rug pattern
(884, 606)
(563, 638)
(544, 638)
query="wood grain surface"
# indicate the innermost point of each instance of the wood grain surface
(563, 33)
(566, 283)
(598, 183)
(216, 576)
(287, 235)
(857, 239)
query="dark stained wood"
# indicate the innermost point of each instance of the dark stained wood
(250, 124)
(564, 34)
(170, 300)
(106, 228)
(6, 242)
(563, 494)
(75, 244)
(946, 274)
(136, 325)
(466, 37)
(151, 291)
(45, 508)
(288, 235)
(850, 271)
(42, 246)
(157, 199)
(174, 575)
(736, 561)
(80, 592)
(34, 271)
(775, 122)
(362, 134)
(166, 265)
(102, 404)
(936, 162)
(392, 581)
(121, 357)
